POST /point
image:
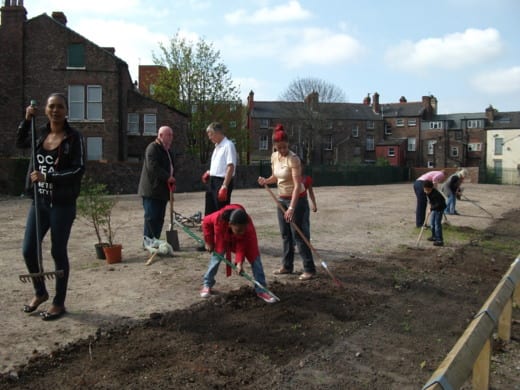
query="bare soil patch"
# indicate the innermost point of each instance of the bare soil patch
(400, 311)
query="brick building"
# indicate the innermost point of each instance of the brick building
(321, 133)
(42, 55)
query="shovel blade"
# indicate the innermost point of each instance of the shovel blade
(172, 238)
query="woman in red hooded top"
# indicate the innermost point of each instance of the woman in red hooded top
(229, 230)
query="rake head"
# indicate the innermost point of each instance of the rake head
(41, 276)
(336, 281)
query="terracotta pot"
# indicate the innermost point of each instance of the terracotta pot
(100, 254)
(113, 253)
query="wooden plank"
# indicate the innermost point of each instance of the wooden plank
(481, 368)
(458, 364)
(504, 322)
(516, 296)
(472, 351)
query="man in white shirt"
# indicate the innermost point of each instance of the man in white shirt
(219, 177)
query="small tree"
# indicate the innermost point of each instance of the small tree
(197, 82)
(95, 208)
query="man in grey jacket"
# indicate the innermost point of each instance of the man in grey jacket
(156, 182)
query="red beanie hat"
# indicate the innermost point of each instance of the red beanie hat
(279, 135)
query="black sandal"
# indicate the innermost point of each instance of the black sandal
(39, 301)
(47, 316)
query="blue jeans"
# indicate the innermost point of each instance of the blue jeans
(214, 263)
(436, 222)
(59, 220)
(422, 202)
(154, 210)
(450, 203)
(291, 237)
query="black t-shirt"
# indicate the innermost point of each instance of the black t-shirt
(46, 160)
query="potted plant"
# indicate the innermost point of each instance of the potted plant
(94, 206)
(112, 251)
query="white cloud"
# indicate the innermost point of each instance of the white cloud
(133, 43)
(498, 82)
(281, 13)
(321, 47)
(452, 51)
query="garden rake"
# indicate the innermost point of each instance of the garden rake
(422, 228)
(229, 263)
(41, 275)
(477, 205)
(307, 242)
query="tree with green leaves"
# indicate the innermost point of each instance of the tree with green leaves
(195, 81)
(310, 111)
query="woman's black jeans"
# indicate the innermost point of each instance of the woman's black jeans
(59, 219)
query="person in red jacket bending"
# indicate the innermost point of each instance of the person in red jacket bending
(229, 230)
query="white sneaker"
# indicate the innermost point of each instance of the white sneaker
(266, 297)
(205, 292)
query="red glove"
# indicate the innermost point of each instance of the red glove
(222, 194)
(205, 177)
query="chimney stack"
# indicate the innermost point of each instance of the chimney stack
(375, 106)
(59, 17)
(490, 113)
(366, 100)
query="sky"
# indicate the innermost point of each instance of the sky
(464, 52)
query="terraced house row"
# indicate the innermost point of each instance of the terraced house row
(119, 116)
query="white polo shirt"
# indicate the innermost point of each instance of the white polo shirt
(223, 155)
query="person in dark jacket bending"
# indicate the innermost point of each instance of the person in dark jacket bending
(437, 206)
(156, 182)
(57, 171)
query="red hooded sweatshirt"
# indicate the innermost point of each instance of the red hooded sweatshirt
(218, 233)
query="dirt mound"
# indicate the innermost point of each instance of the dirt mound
(399, 313)
(389, 326)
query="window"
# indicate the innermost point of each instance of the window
(149, 124)
(436, 125)
(458, 135)
(430, 164)
(431, 147)
(94, 102)
(388, 129)
(475, 147)
(133, 123)
(264, 123)
(232, 107)
(497, 167)
(232, 124)
(454, 151)
(370, 125)
(370, 143)
(76, 55)
(391, 152)
(328, 142)
(94, 148)
(499, 142)
(85, 99)
(355, 132)
(411, 144)
(264, 142)
(399, 122)
(475, 124)
(412, 122)
(151, 89)
(357, 151)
